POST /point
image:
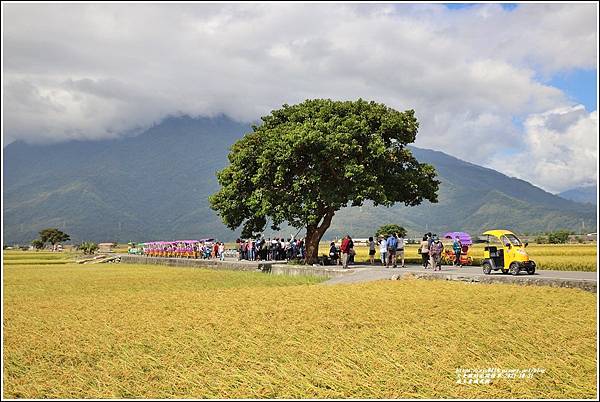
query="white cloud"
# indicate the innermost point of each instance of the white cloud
(549, 37)
(560, 152)
(97, 70)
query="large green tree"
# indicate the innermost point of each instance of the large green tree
(53, 236)
(305, 162)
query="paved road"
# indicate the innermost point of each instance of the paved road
(367, 273)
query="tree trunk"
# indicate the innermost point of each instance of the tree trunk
(314, 234)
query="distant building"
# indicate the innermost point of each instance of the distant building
(105, 247)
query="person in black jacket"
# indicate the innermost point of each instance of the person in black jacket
(334, 254)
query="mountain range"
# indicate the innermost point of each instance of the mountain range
(584, 194)
(154, 186)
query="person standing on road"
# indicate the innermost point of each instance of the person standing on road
(392, 246)
(273, 249)
(351, 252)
(435, 253)
(383, 250)
(301, 253)
(222, 251)
(264, 249)
(215, 252)
(400, 252)
(457, 247)
(371, 250)
(345, 249)
(251, 249)
(425, 251)
(286, 249)
(240, 248)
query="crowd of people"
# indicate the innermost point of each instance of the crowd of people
(390, 247)
(391, 250)
(209, 249)
(431, 249)
(276, 249)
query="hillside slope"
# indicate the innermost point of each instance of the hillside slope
(155, 186)
(585, 194)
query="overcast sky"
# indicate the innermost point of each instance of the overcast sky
(509, 87)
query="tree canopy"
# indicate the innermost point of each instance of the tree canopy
(53, 236)
(558, 237)
(37, 244)
(88, 247)
(305, 162)
(387, 230)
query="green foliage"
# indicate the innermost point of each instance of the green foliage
(307, 161)
(541, 239)
(37, 244)
(389, 229)
(53, 236)
(558, 237)
(88, 247)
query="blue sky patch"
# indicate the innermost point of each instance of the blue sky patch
(580, 85)
(458, 6)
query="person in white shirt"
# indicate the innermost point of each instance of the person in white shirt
(424, 250)
(383, 250)
(222, 251)
(400, 251)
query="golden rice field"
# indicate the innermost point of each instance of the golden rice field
(135, 331)
(37, 257)
(559, 257)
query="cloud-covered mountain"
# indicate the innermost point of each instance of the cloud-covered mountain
(486, 74)
(155, 186)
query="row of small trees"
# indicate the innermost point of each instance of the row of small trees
(557, 237)
(55, 236)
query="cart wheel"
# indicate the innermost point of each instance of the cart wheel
(514, 268)
(487, 268)
(531, 270)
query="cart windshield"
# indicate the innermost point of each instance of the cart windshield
(511, 239)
